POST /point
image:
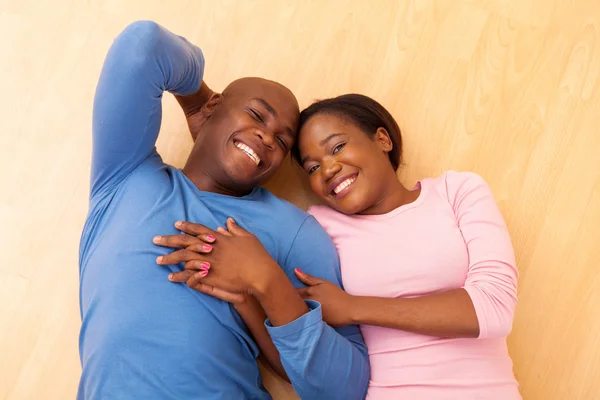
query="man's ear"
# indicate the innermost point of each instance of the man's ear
(196, 120)
(211, 105)
(382, 137)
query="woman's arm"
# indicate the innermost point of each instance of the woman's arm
(448, 314)
(483, 307)
(254, 317)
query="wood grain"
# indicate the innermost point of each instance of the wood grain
(508, 89)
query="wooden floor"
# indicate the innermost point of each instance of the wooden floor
(509, 89)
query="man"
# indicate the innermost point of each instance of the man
(145, 338)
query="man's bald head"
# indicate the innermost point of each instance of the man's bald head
(251, 86)
(245, 134)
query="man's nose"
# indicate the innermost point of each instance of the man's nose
(266, 137)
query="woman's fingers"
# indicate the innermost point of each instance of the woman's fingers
(307, 279)
(200, 248)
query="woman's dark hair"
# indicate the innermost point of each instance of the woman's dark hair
(361, 110)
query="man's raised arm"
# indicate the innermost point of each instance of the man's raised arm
(144, 61)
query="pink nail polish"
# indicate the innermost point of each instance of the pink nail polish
(203, 273)
(205, 266)
(210, 238)
(206, 247)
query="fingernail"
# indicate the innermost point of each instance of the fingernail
(206, 247)
(232, 220)
(210, 238)
(179, 224)
(203, 273)
(205, 265)
(159, 259)
(299, 270)
(170, 277)
(156, 239)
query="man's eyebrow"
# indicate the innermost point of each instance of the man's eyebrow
(269, 108)
(272, 111)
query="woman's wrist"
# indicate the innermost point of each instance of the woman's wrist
(356, 310)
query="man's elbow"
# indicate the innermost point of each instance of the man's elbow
(138, 41)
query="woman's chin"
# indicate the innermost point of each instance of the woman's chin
(346, 205)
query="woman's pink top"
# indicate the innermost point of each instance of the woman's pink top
(453, 236)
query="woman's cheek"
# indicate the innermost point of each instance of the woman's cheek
(316, 185)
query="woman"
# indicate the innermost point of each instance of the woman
(429, 272)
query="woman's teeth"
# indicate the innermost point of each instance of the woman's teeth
(344, 184)
(248, 151)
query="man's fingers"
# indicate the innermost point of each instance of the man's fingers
(180, 241)
(235, 229)
(186, 274)
(178, 256)
(201, 231)
(196, 278)
(224, 231)
(219, 293)
(181, 276)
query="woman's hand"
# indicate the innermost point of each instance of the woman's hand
(335, 303)
(236, 259)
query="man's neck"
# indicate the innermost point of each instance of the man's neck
(206, 183)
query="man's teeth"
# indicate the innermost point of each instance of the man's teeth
(249, 152)
(344, 184)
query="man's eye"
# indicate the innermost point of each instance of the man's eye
(283, 143)
(256, 115)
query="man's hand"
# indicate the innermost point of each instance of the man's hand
(192, 106)
(237, 261)
(335, 303)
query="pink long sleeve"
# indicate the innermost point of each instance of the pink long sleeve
(492, 275)
(453, 236)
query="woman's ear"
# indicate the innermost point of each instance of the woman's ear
(382, 137)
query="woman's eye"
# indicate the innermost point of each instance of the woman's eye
(338, 147)
(313, 169)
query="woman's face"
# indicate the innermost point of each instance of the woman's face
(347, 168)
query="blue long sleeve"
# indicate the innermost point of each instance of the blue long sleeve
(321, 362)
(144, 61)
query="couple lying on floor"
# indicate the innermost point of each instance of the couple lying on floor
(428, 273)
